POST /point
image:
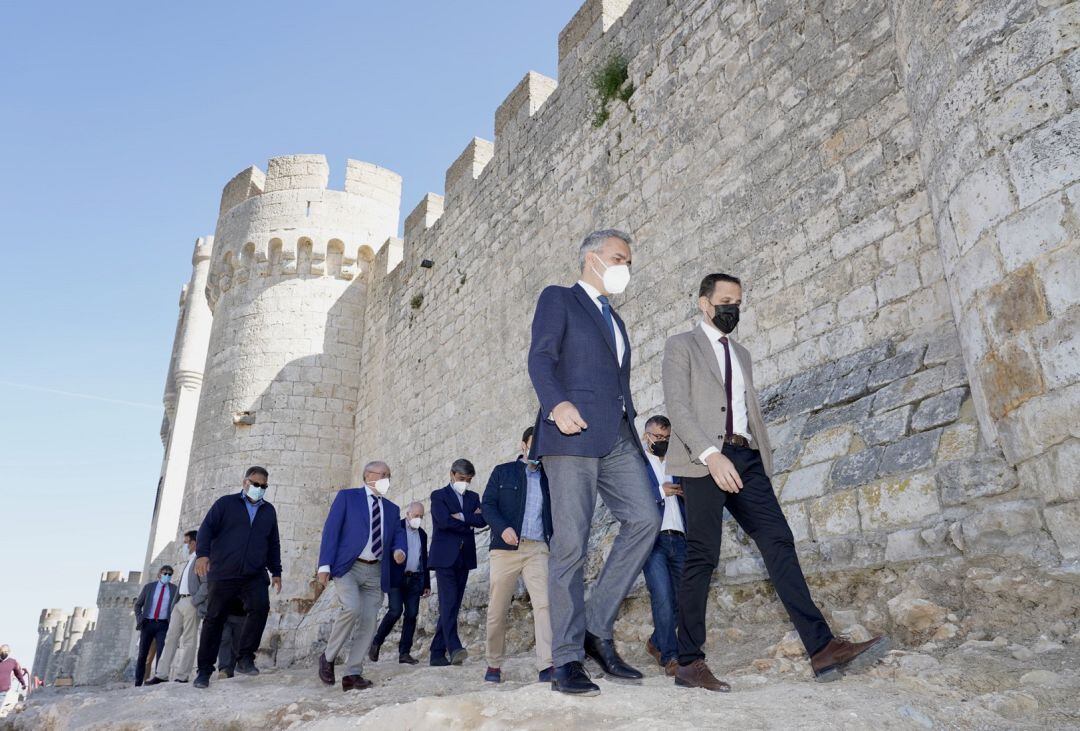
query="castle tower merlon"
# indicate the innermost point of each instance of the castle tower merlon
(424, 216)
(297, 172)
(589, 23)
(467, 168)
(245, 184)
(521, 104)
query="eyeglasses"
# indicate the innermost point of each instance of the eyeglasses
(656, 437)
(167, 576)
(256, 484)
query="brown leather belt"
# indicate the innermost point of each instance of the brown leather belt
(737, 440)
(364, 560)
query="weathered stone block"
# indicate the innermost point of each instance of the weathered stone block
(1058, 346)
(893, 369)
(806, 482)
(964, 480)
(1016, 303)
(1026, 104)
(913, 388)
(957, 441)
(994, 527)
(1064, 524)
(1054, 474)
(979, 202)
(938, 410)
(898, 501)
(836, 514)
(885, 428)
(836, 416)
(913, 453)
(827, 444)
(1010, 377)
(1031, 233)
(1047, 159)
(857, 469)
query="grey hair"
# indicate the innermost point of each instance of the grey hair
(372, 464)
(414, 504)
(595, 241)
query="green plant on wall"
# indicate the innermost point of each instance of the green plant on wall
(611, 82)
(416, 301)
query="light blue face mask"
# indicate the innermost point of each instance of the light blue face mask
(256, 493)
(165, 579)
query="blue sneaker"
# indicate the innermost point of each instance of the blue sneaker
(546, 675)
(493, 675)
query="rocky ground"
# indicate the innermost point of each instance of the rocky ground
(976, 647)
(991, 683)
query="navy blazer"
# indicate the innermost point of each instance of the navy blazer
(504, 502)
(348, 528)
(142, 604)
(397, 571)
(452, 536)
(572, 358)
(237, 546)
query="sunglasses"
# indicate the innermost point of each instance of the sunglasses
(256, 484)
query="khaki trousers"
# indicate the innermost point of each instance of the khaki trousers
(183, 631)
(529, 561)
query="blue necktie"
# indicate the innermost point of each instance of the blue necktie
(605, 307)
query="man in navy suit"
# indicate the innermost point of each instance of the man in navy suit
(361, 541)
(664, 567)
(411, 581)
(579, 363)
(455, 512)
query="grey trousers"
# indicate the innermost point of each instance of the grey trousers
(361, 596)
(624, 486)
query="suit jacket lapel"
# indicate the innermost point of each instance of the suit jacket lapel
(597, 317)
(707, 352)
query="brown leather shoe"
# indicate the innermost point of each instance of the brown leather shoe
(698, 675)
(842, 655)
(355, 682)
(326, 670)
(671, 667)
(654, 651)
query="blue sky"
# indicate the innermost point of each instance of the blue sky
(119, 124)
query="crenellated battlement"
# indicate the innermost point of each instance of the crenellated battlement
(589, 23)
(109, 577)
(424, 216)
(288, 223)
(467, 167)
(521, 104)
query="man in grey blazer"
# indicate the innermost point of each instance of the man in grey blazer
(183, 621)
(720, 447)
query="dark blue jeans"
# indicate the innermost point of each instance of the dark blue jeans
(404, 598)
(451, 583)
(663, 572)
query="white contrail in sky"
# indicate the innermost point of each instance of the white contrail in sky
(90, 396)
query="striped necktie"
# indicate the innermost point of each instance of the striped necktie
(376, 527)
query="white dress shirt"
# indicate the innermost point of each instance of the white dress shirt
(672, 515)
(367, 553)
(185, 573)
(738, 385)
(594, 294)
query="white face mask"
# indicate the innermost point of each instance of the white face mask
(460, 487)
(382, 486)
(414, 523)
(615, 277)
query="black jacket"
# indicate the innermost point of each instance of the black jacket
(504, 502)
(397, 570)
(238, 547)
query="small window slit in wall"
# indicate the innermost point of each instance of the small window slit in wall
(307, 213)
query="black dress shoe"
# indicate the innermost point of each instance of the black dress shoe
(246, 667)
(439, 661)
(226, 672)
(604, 654)
(202, 681)
(326, 670)
(407, 659)
(572, 679)
(373, 652)
(155, 680)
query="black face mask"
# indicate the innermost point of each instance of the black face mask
(659, 448)
(726, 318)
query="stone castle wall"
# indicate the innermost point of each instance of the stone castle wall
(894, 180)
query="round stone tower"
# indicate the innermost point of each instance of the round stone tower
(282, 369)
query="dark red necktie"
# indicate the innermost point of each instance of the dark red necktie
(160, 599)
(729, 421)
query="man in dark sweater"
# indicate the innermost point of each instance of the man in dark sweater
(238, 546)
